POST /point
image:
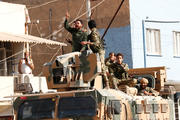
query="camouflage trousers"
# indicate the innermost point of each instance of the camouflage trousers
(115, 82)
(103, 67)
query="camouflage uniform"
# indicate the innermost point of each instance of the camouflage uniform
(119, 75)
(108, 62)
(77, 37)
(147, 89)
(97, 47)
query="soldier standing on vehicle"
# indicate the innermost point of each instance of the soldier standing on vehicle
(78, 35)
(97, 46)
(144, 90)
(118, 73)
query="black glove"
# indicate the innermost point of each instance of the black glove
(69, 41)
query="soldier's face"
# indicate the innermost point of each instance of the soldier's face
(112, 54)
(78, 25)
(119, 59)
(112, 57)
(143, 85)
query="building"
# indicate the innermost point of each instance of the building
(146, 32)
(12, 21)
(152, 37)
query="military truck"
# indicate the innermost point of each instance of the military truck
(81, 94)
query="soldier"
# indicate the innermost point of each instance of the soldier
(118, 73)
(144, 90)
(97, 46)
(111, 59)
(78, 35)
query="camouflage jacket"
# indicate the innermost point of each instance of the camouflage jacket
(94, 37)
(119, 70)
(77, 37)
(147, 89)
(108, 62)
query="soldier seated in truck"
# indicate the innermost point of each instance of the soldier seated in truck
(144, 90)
(118, 73)
(111, 59)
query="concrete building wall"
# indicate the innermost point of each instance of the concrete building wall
(118, 40)
(12, 18)
(158, 10)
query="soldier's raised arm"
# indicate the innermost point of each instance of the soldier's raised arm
(66, 23)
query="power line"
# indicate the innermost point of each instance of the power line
(79, 17)
(42, 4)
(113, 18)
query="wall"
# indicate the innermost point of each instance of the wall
(7, 86)
(118, 40)
(158, 10)
(12, 18)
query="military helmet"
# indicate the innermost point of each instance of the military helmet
(144, 80)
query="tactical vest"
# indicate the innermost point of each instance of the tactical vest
(97, 48)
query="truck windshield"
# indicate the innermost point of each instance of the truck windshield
(76, 107)
(36, 109)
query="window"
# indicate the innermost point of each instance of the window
(155, 108)
(116, 107)
(153, 41)
(77, 107)
(36, 109)
(114, 110)
(148, 108)
(139, 108)
(164, 108)
(176, 43)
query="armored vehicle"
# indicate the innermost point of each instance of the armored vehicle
(81, 94)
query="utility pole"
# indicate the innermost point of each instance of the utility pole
(50, 23)
(88, 15)
(26, 45)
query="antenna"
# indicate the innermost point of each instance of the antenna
(112, 19)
